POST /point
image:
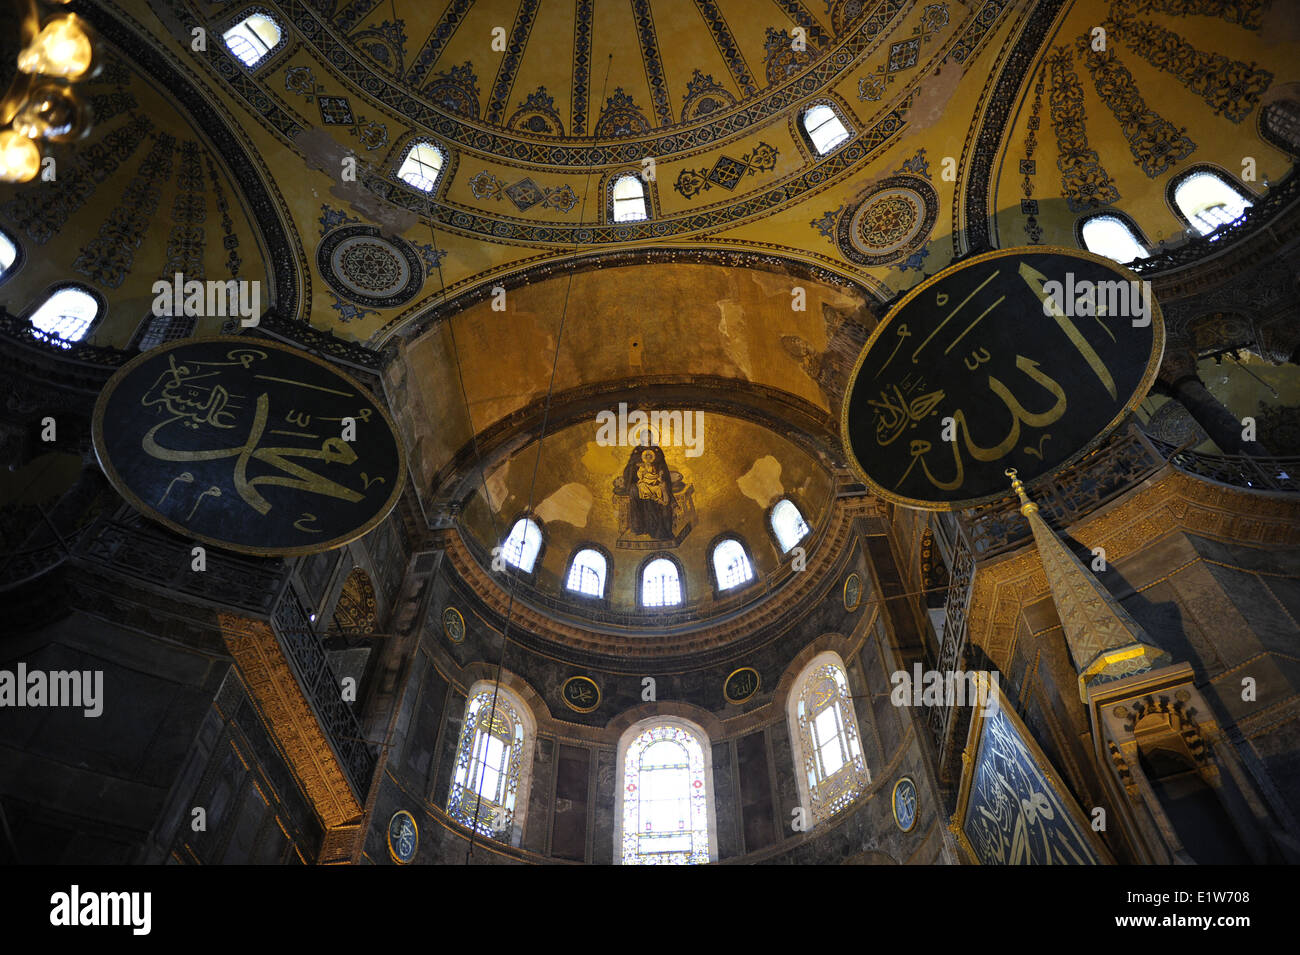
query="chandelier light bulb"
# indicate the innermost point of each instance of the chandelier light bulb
(50, 112)
(20, 159)
(62, 49)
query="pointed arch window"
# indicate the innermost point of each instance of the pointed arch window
(523, 545)
(788, 524)
(67, 312)
(661, 584)
(667, 814)
(489, 788)
(587, 573)
(1209, 201)
(422, 166)
(831, 770)
(1112, 237)
(824, 128)
(253, 38)
(731, 566)
(628, 199)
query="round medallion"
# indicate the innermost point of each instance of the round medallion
(368, 268)
(890, 223)
(904, 801)
(741, 685)
(852, 592)
(453, 625)
(581, 694)
(403, 837)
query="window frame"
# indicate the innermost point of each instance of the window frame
(408, 146)
(640, 583)
(20, 256)
(531, 573)
(625, 741)
(784, 555)
(805, 135)
(1123, 219)
(1291, 149)
(647, 195)
(229, 23)
(1227, 178)
(719, 590)
(603, 597)
(100, 313)
(817, 808)
(523, 778)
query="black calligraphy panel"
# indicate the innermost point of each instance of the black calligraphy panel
(1018, 358)
(249, 445)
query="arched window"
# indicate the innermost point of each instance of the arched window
(627, 196)
(523, 545)
(661, 584)
(1112, 237)
(1280, 124)
(587, 573)
(1208, 201)
(489, 789)
(8, 253)
(157, 329)
(788, 524)
(829, 765)
(731, 565)
(422, 166)
(667, 816)
(824, 128)
(252, 38)
(67, 312)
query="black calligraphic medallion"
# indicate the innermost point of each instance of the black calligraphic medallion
(1022, 358)
(249, 445)
(741, 685)
(403, 837)
(581, 694)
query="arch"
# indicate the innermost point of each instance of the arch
(68, 312)
(830, 768)
(11, 255)
(1207, 199)
(357, 611)
(157, 329)
(523, 545)
(659, 581)
(730, 563)
(628, 201)
(1111, 235)
(588, 572)
(787, 524)
(824, 127)
(494, 757)
(1279, 124)
(665, 813)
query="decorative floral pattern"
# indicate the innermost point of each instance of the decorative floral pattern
(726, 172)
(1085, 184)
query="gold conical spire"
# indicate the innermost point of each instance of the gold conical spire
(1105, 642)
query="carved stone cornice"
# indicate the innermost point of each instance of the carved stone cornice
(289, 717)
(1168, 501)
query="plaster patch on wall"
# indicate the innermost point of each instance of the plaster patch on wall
(571, 504)
(733, 328)
(762, 482)
(495, 483)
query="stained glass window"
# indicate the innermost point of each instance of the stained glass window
(252, 38)
(731, 564)
(492, 750)
(523, 545)
(665, 798)
(628, 195)
(824, 128)
(660, 584)
(788, 524)
(827, 732)
(587, 573)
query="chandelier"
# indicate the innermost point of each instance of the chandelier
(41, 56)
